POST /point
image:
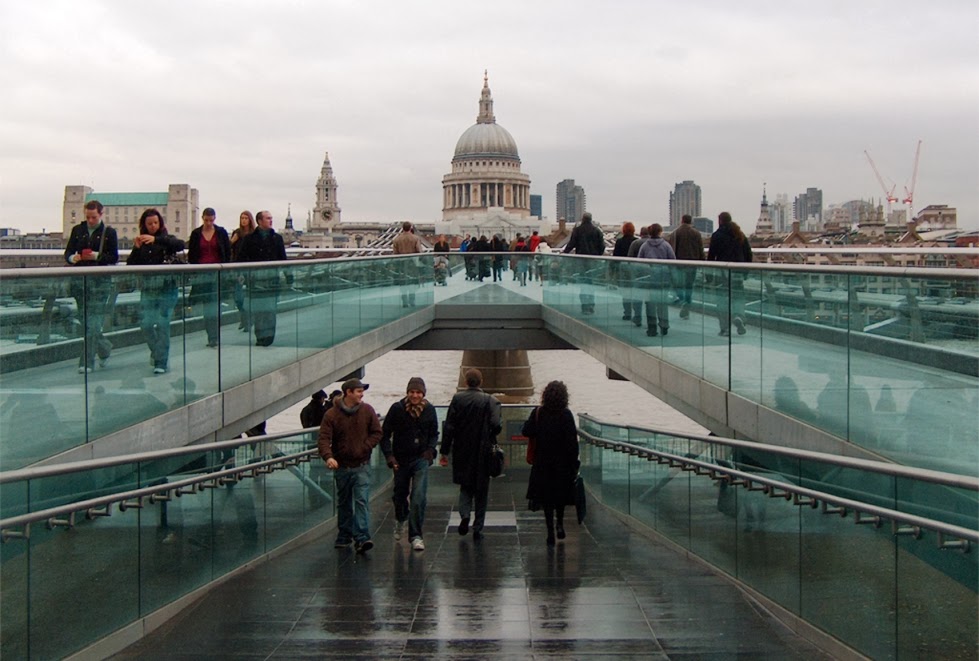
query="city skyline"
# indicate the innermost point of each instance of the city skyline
(657, 95)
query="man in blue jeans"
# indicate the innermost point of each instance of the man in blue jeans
(348, 434)
(413, 425)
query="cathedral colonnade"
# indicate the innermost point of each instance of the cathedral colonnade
(486, 194)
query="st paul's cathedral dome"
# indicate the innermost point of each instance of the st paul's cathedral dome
(485, 169)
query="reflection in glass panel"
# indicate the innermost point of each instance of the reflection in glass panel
(836, 550)
(936, 586)
(13, 575)
(208, 322)
(97, 564)
(236, 335)
(615, 480)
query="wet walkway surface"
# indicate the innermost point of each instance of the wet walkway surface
(606, 591)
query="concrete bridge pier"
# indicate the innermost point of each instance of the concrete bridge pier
(505, 373)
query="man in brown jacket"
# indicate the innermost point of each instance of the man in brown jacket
(407, 243)
(348, 434)
(687, 244)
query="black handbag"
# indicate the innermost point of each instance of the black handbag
(497, 461)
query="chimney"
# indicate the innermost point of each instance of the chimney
(562, 225)
(795, 226)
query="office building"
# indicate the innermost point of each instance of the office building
(570, 201)
(781, 213)
(685, 199)
(537, 206)
(808, 208)
(703, 225)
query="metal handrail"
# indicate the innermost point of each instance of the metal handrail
(880, 467)
(65, 515)
(890, 271)
(902, 523)
(36, 472)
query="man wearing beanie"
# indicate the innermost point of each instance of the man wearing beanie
(412, 425)
(348, 434)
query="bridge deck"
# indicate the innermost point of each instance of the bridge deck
(606, 591)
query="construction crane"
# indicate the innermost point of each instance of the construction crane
(888, 192)
(909, 192)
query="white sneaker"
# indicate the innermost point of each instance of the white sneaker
(418, 544)
(399, 529)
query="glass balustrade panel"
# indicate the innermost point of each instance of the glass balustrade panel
(615, 480)
(937, 599)
(14, 566)
(209, 320)
(836, 550)
(716, 306)
(314, 293)
(96, 566)
(927, 416)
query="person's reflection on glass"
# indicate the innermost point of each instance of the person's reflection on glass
(842, 407)
(788, 400)
(885, 402)
(19, 414)
(120, 408)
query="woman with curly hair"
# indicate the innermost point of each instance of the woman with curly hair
(158, 293)
(551, 428)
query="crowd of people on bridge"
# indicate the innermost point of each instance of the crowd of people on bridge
(256, 292)
(93, 243)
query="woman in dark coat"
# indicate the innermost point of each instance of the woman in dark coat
(441, 245)
(209, 244)
(622, 274)
(552, 429)
(483, 245)
(158, 293)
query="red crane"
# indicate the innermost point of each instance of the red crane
(888, 192)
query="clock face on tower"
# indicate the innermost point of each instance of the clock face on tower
(327, 214)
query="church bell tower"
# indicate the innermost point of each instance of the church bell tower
(326, 212)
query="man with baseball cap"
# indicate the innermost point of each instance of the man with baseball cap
(413, 425)
(348, 434)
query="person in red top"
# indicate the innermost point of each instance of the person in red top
(209, 244)
(532, 247)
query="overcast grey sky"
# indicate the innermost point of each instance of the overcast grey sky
(241, 99)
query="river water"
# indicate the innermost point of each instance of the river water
(590, 391)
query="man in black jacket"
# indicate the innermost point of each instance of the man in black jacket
(312, 414)
(586, 239)
(264, 245)
(92, 243)
(729, 244)
(471, 425)
(689, 245)
(412, 424)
